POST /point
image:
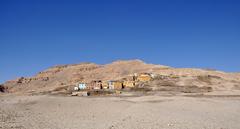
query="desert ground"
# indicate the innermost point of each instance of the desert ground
(143, 112)
(174, 98)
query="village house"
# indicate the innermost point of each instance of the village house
(80, 86)
(129, 81)
(115, 85)
(105, 85)
(129, 84)
(144, 77)
(110, 85)
(96, 85)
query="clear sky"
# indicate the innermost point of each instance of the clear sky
(35, 35)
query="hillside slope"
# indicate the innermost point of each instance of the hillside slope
(66, 76)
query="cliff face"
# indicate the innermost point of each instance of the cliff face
(66, 76)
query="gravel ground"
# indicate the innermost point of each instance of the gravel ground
(147, 112)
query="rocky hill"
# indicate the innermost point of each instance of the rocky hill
(64, 77)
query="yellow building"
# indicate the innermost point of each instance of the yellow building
(115, 85)
(144, 77)
(129, 83)
(105, 85)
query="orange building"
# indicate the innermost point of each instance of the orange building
(144, 77)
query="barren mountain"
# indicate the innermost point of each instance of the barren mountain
(63, 77)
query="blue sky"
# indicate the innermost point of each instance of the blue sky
(35, 35)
